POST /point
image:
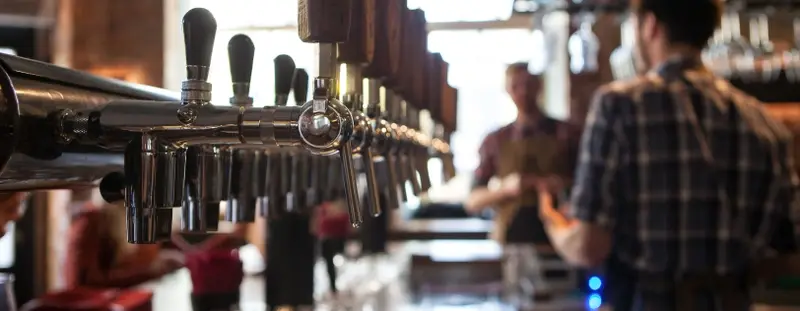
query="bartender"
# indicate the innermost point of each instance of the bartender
(534, 149)
(682, 179)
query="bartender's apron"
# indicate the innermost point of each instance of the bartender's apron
(517, 223)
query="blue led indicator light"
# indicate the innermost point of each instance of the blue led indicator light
(594, 301)
(595, 283)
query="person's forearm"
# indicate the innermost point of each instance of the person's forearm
(482, 198)
(578, 244)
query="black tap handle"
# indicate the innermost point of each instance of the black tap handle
(240, 54)
(199, 31)
(284, 73)
(300, 86)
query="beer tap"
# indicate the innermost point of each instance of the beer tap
(421, 97)
(307, 172)
(355, 53)
(290, 157)
(395, 159)
(327, 23)
(204, 164)
(408, 145)
(441, 148)
(419, 151)
(384, 140)
(376, 42)
(244, 164)
(282, 198)
(425, 128)
(322, 126)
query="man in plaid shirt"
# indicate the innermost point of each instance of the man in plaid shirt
(682, 180)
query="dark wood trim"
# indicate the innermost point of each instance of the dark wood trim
(30, 264)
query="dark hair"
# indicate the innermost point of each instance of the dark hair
(690, 22)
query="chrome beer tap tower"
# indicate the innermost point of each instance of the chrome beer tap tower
(157, 151)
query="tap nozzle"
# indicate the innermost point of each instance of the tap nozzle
(244, 186)
(205, 170)
(147, 192)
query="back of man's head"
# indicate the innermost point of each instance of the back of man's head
(688, 22)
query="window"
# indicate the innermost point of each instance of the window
(240, 14)
(269, 23)
(262, 85)
(439, 11)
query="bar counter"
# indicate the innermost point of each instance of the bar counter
(414, 275)
(395, 281)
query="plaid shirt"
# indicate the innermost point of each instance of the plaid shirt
(689, 173)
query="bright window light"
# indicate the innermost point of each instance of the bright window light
(441, 11)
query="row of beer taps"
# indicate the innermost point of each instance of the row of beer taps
(275, 159)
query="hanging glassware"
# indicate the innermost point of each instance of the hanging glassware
(733, 55)
(767, 62)
(791, 58)
(622, 61)
(583, 46)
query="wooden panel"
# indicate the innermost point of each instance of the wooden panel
(20, 7)
(111, 36)
(420, 62)
(360, 45)
(323, 21)
(395, 19)
(380, 66)
(449, 112)
(583, 86)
